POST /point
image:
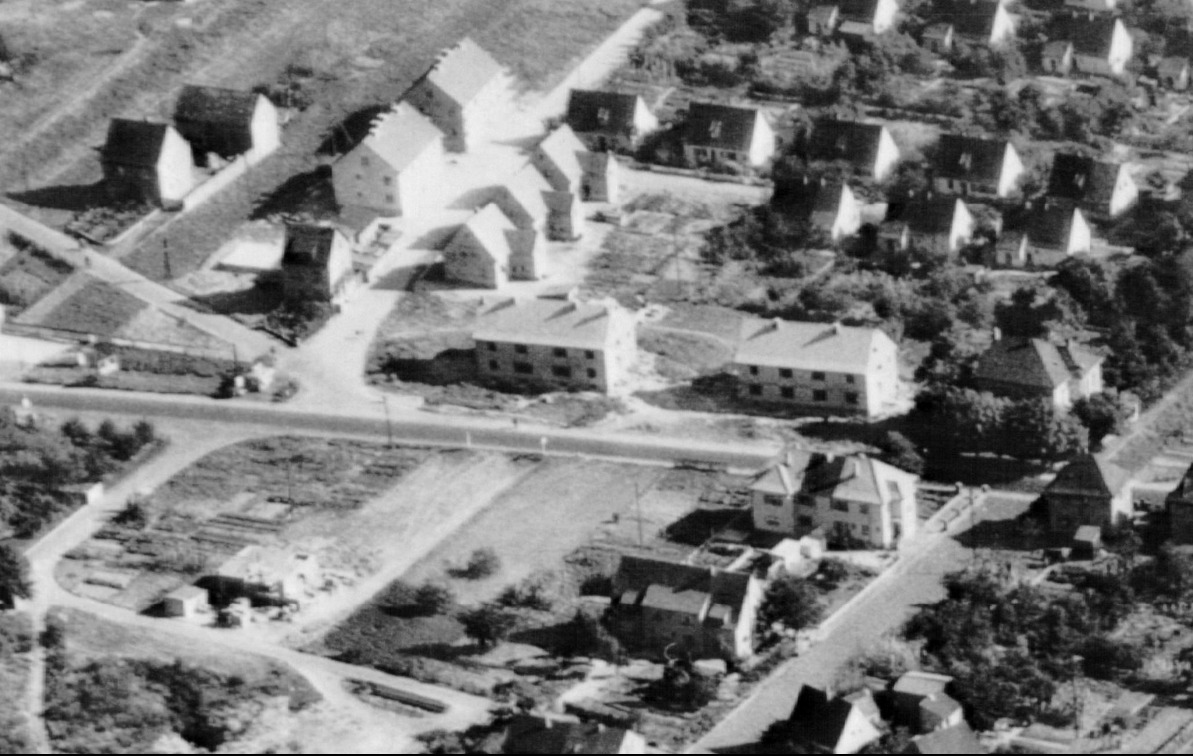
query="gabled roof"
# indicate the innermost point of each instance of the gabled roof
(818, 719)
(563, 149)
(1035, 363)
(526, 188)
(809, 197)
(1089, 475)
(1082, 179)
(1183, 493)
(1050, 226)
(853, 478)
(862, 11)
(956, 739)
(547, 322)
(491, 229)
(852, 141)
(399, 135)
(135, 143)
(308, 245)
(532, 734)
(216, 105)
(830, 347)
(683, 588)
(938, 30)
(463, 70)
(1089, 36)
(970, 158)
(923, 684)
(1172, 66)
(601, 112)
(972, 18)
(942, 705)
(927, 215)
(722, 127)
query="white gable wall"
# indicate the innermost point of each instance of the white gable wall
(175, 167)
(1126, 192)
(1012, 170)
(961, 229)
(265, 128)
(888, 156)
(762, 143)
(885, 15)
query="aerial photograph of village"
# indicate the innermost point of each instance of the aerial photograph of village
(596, 376)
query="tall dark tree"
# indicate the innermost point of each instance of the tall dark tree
(14, 577)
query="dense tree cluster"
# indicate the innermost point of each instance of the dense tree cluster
(37, 464)
(1008, 647)
(961, 420)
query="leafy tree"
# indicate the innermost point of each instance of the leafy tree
(898, 450)
(683, 687)
(1122, 541)
(14, 577)
(135, 515)
(897, 740)
(487, 624)
(434, 598)
(586, 635)
(144, 433)
(536, 591)
(792, 601)
(482, 563)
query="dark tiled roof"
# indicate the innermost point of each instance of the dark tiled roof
(676, 586)
(818, 719)
(1089, 36)
(722, 127)
(957, 739)
(858, 10)
(308, 245)
(845, 140)
(929, 215)
(1089, 475)
(215, 105)
(136, 143)
(538, 735)
(1033, 363)
(804, 196)
(970, 158)
(598, 112)
(1050, 226)
(973, 18)
(1082, 179)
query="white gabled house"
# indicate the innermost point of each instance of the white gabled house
(489, 251)
(726, 135)
(976, 166)
(461, 93)
(869, 148)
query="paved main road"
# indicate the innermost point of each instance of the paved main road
(407, 426)
(914, 580)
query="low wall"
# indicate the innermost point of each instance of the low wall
(75, 337)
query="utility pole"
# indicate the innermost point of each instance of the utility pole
(389, 427)
(166, 258)
(638, 511)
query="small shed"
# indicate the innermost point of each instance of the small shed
(1087, 542)
(186, 601)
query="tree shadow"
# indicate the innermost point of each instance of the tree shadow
(698, 526)
(474, 198)
(436, 238)
(349, 132)
(443, 651)
(74, 198)
(447, 367)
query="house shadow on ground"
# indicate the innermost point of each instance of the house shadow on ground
(309, 195)
(351, 131)
(73, 198)
(436, 360)
(261, 299)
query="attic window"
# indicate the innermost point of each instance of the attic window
(966, 160)
(1079, 180)
(603, 116)
(842, 144)
(714, 130)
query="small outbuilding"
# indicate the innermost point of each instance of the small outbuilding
(186, 601)
(1087, 542)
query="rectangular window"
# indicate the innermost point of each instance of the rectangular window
(865, 530)
(561, 371)
(589, 355)
(773, 500)
(839, 506)
(520, 348)
(492, 346)
(864, 509)
(786, 372)
(559, 352)
(818, 376)
(806, 501)
(387, 181)
(820, 395)
(850, 379)
(773, 522)
(755, 390)
(523, 368)
(493, 365)
(851, 397)
(805, 521)
(389, 198)
(787, 392)
(591, 373)
(753, 370)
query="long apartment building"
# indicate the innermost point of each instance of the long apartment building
(556, 342)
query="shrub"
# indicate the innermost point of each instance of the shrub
(538, 591)
(793, 602)
(586, 635)
(14, 577)
(433, 598)
(487, 624)
(482, 563)
(832, 572)
(134, 515)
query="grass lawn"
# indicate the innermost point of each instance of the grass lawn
(27, 276)
(98, 307)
